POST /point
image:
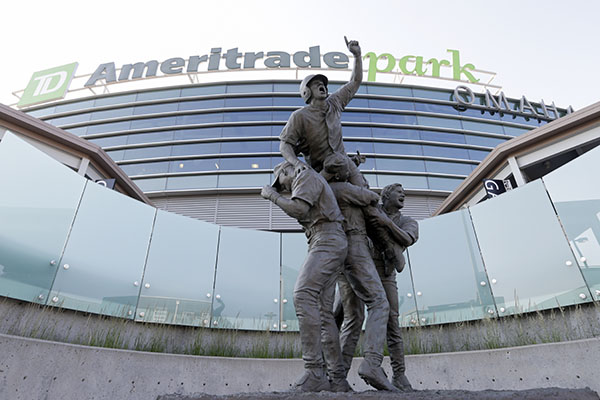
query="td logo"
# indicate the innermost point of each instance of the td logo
(50, 84)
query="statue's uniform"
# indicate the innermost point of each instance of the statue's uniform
(316, 131)
(360, 279)
(388, 279)
(315, 286)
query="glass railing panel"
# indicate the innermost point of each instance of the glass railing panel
(37, 207)
(450, 280)
(407, 306)
(102, 266)
(178, 280)
(293, 252)
(528, 259)
(575, 193)
(247, 280)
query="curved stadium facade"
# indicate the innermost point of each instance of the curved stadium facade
(205, 150)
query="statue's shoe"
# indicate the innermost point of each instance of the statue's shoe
(313, 380)
(340, 385)
(401, 382)
(375, 376)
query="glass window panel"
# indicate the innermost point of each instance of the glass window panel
(235, 163)
(441, 122)
(356, 102)
(247, 280)
(71, 119)
(519, 119)
(116, 155)
(483, 140)
(38, 203)
(408, 181)
(395, 164)
(442, 136)
(288, 101)
(246, 147)
(250, 88)
(42, 112)
(363, 147)
(436, 108)
(160, 94)
(247, 116)
(147, 152)
(526, 253)
(437, 183)
(105, 253)
(511, 130)
(286, 87)
(448, 280)
(153, 122)
(482, 127)
(184, 134)
(122, 99)
(391, 104)
(115, 113)
(393, 118)
(152, 184)
(79, 131)
(248, 102)
(448, 167)
(441, 151)
(110, 141)
(432, 94)
(180, 271)
(201, 104)
(150, 137)
(203, 90)
(205, 164)
(244, 180)
(145, 168)
(356, 131)
(243, 131)
(474, 112)
(110, 127)
(389, 90)
(398, 148)
(196, 149)
(281, 115)
(368, 165)
(191, 182)
(155, 108)
(395, 133)
(355, 116)
(293, 252)
(79, 105)
(478, 155)
(576, 198)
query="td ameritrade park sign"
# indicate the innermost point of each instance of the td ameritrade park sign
(52, 84)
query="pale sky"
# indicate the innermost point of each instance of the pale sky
(541, 49)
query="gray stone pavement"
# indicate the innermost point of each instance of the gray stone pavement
(530, 394)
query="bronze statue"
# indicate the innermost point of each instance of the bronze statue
(313, 204)
(402, 231)
(360, 279)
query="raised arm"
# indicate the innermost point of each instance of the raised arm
(357, 71)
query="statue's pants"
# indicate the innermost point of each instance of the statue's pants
(313, 298)
(354, 316)
(360, 284)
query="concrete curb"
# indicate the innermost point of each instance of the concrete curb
(37, 369)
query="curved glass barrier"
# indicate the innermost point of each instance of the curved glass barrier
(102, 266)
(527, 257)
(247, 280)
(37, 207)
(293, 252)
(180, 270)
(575, 194)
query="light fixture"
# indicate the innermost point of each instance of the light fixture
(254, 166)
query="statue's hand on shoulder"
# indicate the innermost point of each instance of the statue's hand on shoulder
(268, 192)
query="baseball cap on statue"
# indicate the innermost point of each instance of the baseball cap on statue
(277, 170)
